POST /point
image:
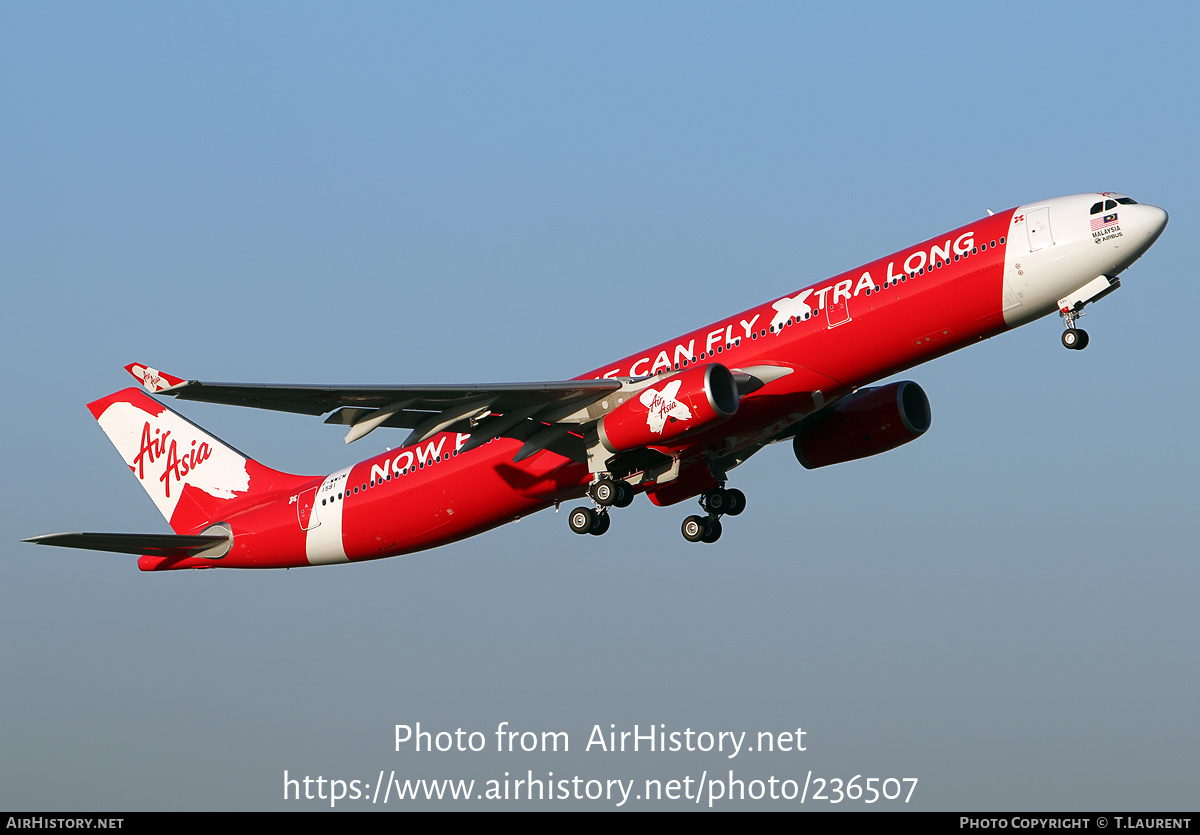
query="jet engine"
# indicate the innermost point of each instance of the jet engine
(666, 409)
(868, 422)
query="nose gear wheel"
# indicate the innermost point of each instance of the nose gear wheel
(1075, 339)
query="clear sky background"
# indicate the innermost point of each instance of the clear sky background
(425, 193)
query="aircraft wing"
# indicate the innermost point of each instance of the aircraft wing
(534, 412)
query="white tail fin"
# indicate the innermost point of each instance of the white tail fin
(193, 478)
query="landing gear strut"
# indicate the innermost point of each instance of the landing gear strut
(716, 503)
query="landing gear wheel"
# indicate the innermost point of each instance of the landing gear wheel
(735, 502)
(1075, 339)
(695, 528)
(715, 501)
(712, 531)
(582, 519)
(600, 525)
(604, 492)
(625, 495)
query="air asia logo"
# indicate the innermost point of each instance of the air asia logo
(162, 446)
(151, 378)
(663, 405)
(795, 308)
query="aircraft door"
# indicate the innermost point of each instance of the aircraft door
(1037, 223)
(837, 311)
(306, 509)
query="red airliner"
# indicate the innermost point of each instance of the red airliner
(671, 421)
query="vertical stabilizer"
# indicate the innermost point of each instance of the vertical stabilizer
(193, 478)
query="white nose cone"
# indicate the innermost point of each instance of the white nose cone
(1144, 224)
(1154, 221)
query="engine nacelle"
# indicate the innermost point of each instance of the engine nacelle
(868, 422)
(666, 409)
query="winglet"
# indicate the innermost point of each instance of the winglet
(154, 380)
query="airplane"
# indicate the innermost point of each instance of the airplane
(671, 421)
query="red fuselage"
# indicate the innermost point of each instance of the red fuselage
(833, 337)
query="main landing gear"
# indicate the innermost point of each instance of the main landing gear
(606, 492)
(716, 503)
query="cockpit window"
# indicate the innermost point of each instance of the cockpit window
(1110, 204)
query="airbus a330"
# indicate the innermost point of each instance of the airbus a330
(672, 421)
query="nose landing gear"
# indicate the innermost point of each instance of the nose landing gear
(1070, 308)
(1073, 338)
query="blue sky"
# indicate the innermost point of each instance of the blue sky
(386, 193)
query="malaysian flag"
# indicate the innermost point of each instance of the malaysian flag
(1107, 220)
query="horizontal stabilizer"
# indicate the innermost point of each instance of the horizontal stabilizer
(150, 544)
